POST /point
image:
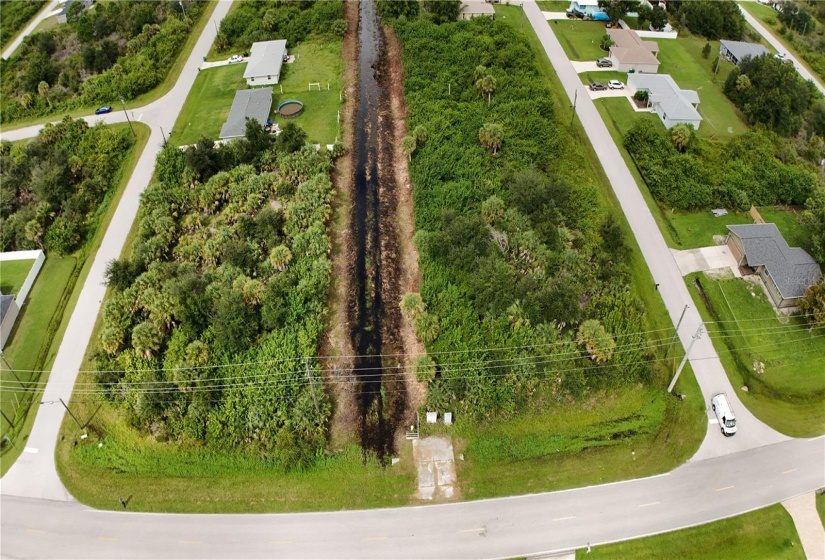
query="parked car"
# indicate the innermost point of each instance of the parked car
(604, 63)
(570, 13)
(235, 58)
(727, 421)
(615, 84)
(103, 110)
(597, 86)
(784, 58)
(578, 13)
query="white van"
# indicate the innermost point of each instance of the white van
(724, 414)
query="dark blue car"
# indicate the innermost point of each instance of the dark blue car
(103, 110)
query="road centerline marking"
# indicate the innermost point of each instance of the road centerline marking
(38, 531)
(789, 471)
(724, 488)
(564, 518)
(473, 530)
(649, 504)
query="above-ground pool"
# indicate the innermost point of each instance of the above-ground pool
(290, 108)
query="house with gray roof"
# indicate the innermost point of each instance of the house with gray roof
(8, 314)
(630, 53)
(737, 51)
(265, 61)
(786, 271)
(673, 104)
(248, 104)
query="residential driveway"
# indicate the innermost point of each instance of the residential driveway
(588, 66)
(705, 258)
(554, 15)
(607, 93)
(206, 65)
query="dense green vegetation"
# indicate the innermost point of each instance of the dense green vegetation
(229, 267)
(264, 20)
(712, 19)
(118, 49)
(53, 186)
(516, 249)
(802, 35)
(15, 14)
(778, 358)
(688, 173)
(765, 533)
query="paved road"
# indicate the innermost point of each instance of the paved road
(692, 494)
(39, 16)
(33, 474)
(768, 36)
(703, 358)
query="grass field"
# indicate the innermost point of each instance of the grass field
(820, 506)
(553, 6)
(208, 103)
(765, 533)
(13, 274)
(580, 39)
(682, 59)
(788, 389)
(316, 61)
(38, 338)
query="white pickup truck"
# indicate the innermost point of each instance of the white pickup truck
(724, 413)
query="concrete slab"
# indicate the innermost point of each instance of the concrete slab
(435, 466)
(704, 259)
(555, 15)
(607, 93)
(588, 66)
(808, 525)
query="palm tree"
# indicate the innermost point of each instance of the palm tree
(280, 257)
(412, 306)
(146, 339)
(492, 209)
(424, 369)
(197, 353)
(420, 134)
(43, 90)
(111, 339)
(26, 100)
(491, 136)
(479, 72)
(487, 84)
(408, 146)
(598, 343)
(427, 327)
(517, 316)
(681, 135)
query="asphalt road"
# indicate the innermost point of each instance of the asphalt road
(692, 494)
(775, 43)
(728, 476)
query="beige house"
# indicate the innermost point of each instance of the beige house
(786, 271)
(630, 54)
(476, 8)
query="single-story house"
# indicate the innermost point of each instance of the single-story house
(64, 10)
(475, 8)
(673, 104)
(630, 54)
(265, 61)
(737, 51)
(8, 314)
(588, 7)
(786, 271)
(248, 104)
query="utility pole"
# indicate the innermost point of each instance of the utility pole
(312, 388)
(79, 427)
(676, 333)
(123, 104)
(183, 9)
(575, 99)
(696, 337)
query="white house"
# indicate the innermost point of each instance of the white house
(673, 104)
(265, 61)
(588, 7)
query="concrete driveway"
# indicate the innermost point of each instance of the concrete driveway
(588, 66)
(608, 93)
(706, 258)
(555, 15)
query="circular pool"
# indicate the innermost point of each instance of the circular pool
(290, 108)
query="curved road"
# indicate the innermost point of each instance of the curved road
(726, 477)
(38, 17)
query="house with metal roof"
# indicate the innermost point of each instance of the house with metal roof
(786, 271)
(737, 51)
(248, 104)
(265, 61)
(630, 54)
(62, 14)
(476, 8)
(8, 314)
(673, 104)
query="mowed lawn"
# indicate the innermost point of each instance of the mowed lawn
(764, 533)
(316, 61)
(29, 336)
(682, 59)
(208, 103)
(13, 274)
(779, 360)
(580, 39)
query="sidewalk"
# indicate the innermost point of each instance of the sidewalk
(808, 525)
